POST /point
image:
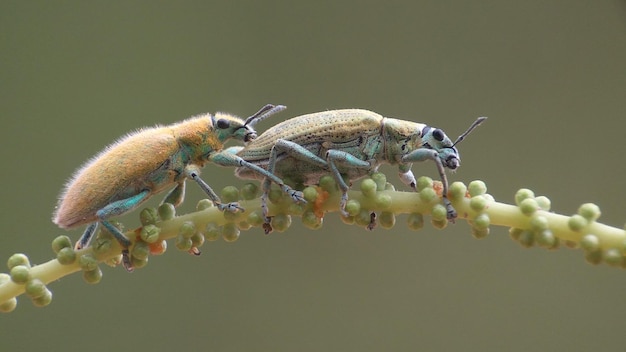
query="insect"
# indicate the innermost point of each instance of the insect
(147, 162)
(348, 144)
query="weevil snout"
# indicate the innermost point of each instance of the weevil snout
(450, 158)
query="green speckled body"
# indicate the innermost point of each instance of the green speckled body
(364, 134)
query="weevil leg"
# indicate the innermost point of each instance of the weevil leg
(117, 208)
(430, 154)
(84, 240)
(193, 173)
(406, 175)
(335, 157)
(176, 195)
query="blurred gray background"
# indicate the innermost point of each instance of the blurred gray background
(549, 74)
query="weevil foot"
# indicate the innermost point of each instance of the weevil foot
(297, 196)
(231, 207)
(267, 227)
(194, 251)
(451, 213)
(128, 265)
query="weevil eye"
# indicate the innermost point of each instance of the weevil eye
(438, 134)
(222, 124)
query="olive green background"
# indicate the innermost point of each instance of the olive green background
(549, 74)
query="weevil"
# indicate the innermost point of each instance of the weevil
(349, 144)
(147, 162)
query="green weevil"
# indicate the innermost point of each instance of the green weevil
(147, 162)
(349, 144)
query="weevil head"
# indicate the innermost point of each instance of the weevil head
(226, 126)
(435, 138)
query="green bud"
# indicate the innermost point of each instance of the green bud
(254, 218)
(613, 257)
(141, 250)
(477, 188)
(310, 194)
(543, 202)
(546, 239)
(368, 187)
(150, 233)
(281, 222)
(212, 232)
(44, 300)
(527, 239)
(456, 191)
(424, 182)
(528, 206)
(197, 239)
(35, 288)
(61, 242)
(20, 274)
(415, 221)
(383, 201)
(66, 256)
(148, 216)
(539, 223)
(167, 211)
(249, 191)
(95, 276)
(87, 262)
(594, 257)
(478, 203)
(576, 223)
(187, 229)
(479, 234)
(18, 259)
(204, 204)
(590, 243)
(230, 232)
(439, 224)
(589, 211)
(387, 219)
(229, 194)
(311, 221)
(428, 195)
(380, 179)
(8, 306)
(523, 194)
(439, 212)
(363, 218)
(481, 221)
(515, 233)
(328, 184)
(101, 246)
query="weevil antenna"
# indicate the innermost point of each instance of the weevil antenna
(265, 112)
(470, 129)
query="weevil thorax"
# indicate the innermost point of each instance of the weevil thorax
(206, 134)
(401, 137)
(435, 138)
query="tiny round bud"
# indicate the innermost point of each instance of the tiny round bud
(198, 239)
(310, 194)
(439, 212)
(439, 224)
(61, 242)
(87, 262)
(44, 300)
(20, 274)
(310, 220)
(457, 191)
(212, 232)
(479, 234)
(389, 187)
(249, 191)
(527, 239)
(478, 203)
(229, 194)
(183, 243)
(383, 201)
(187, 229)
(594, 257)
(101, 246)
(539, 223)
(141, 250)
(95, 276)
(543, 202)
(204, 204)
(528, 206)
(590, 243)
(150, 233)
(230, 216)
(522, 194)
(515, 233)
(477, 188)
(281, 222)
(589, 211)
(348, 220)
(380, 179)
(363, 218)
(148, 216)
(18, 259)
(353, 207)
(428, 195)
(423, 182)
(254, 218)
(576, 223)
(415, 221)
(387, 219)
(230, 232)
(139, 263)
(613, 257)
(368, 187)
(66, 256)
(546, 239)
(167, 211)
(481, 221)
(35, 288)
(328, 184)
(8, 306)
(275, 195)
